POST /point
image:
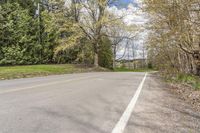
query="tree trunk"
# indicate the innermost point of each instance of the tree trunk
(196, 58)
(96, 59)
(197, 68)
(96, 54)
(114, 63)
(198, 71)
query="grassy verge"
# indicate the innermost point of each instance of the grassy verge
(187, 79)
(12, 72)
(133, 70)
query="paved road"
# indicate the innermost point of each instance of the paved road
(92, 103)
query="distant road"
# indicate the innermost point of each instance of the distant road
(93, 103)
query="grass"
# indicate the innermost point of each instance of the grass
(12, 72)
(192, 80)
(133, 70)
(188, 79)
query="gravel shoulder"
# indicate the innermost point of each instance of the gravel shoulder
(187, 94)
(159, 110)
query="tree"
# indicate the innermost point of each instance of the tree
(105, 53)
(24, 39)
(175, 33)
(92, 17)
(16, 28)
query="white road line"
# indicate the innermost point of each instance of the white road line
(42, 85)
(121, 124)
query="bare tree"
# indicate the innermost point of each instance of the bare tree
(175, 34)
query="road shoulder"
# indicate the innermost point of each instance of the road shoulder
(158, 110)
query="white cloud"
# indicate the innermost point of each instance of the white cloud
(132, 16)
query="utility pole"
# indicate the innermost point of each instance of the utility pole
(143, 55)
(129, 65)
(39, 28)
(38, 14)
(133, 53)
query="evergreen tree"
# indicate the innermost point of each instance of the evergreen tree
(16, 33)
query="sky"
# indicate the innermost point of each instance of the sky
(133, 16)
(122, 3)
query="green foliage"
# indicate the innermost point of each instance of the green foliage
(85, 55)
(13, 55)
(16, 33)
(150, 66)
(67, 55)
(105, 53)
(53, 36)
(19, 36)
(188, 79)
(80, 54)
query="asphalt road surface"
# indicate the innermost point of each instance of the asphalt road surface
(93, 103)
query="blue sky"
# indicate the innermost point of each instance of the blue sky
(124, 3)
